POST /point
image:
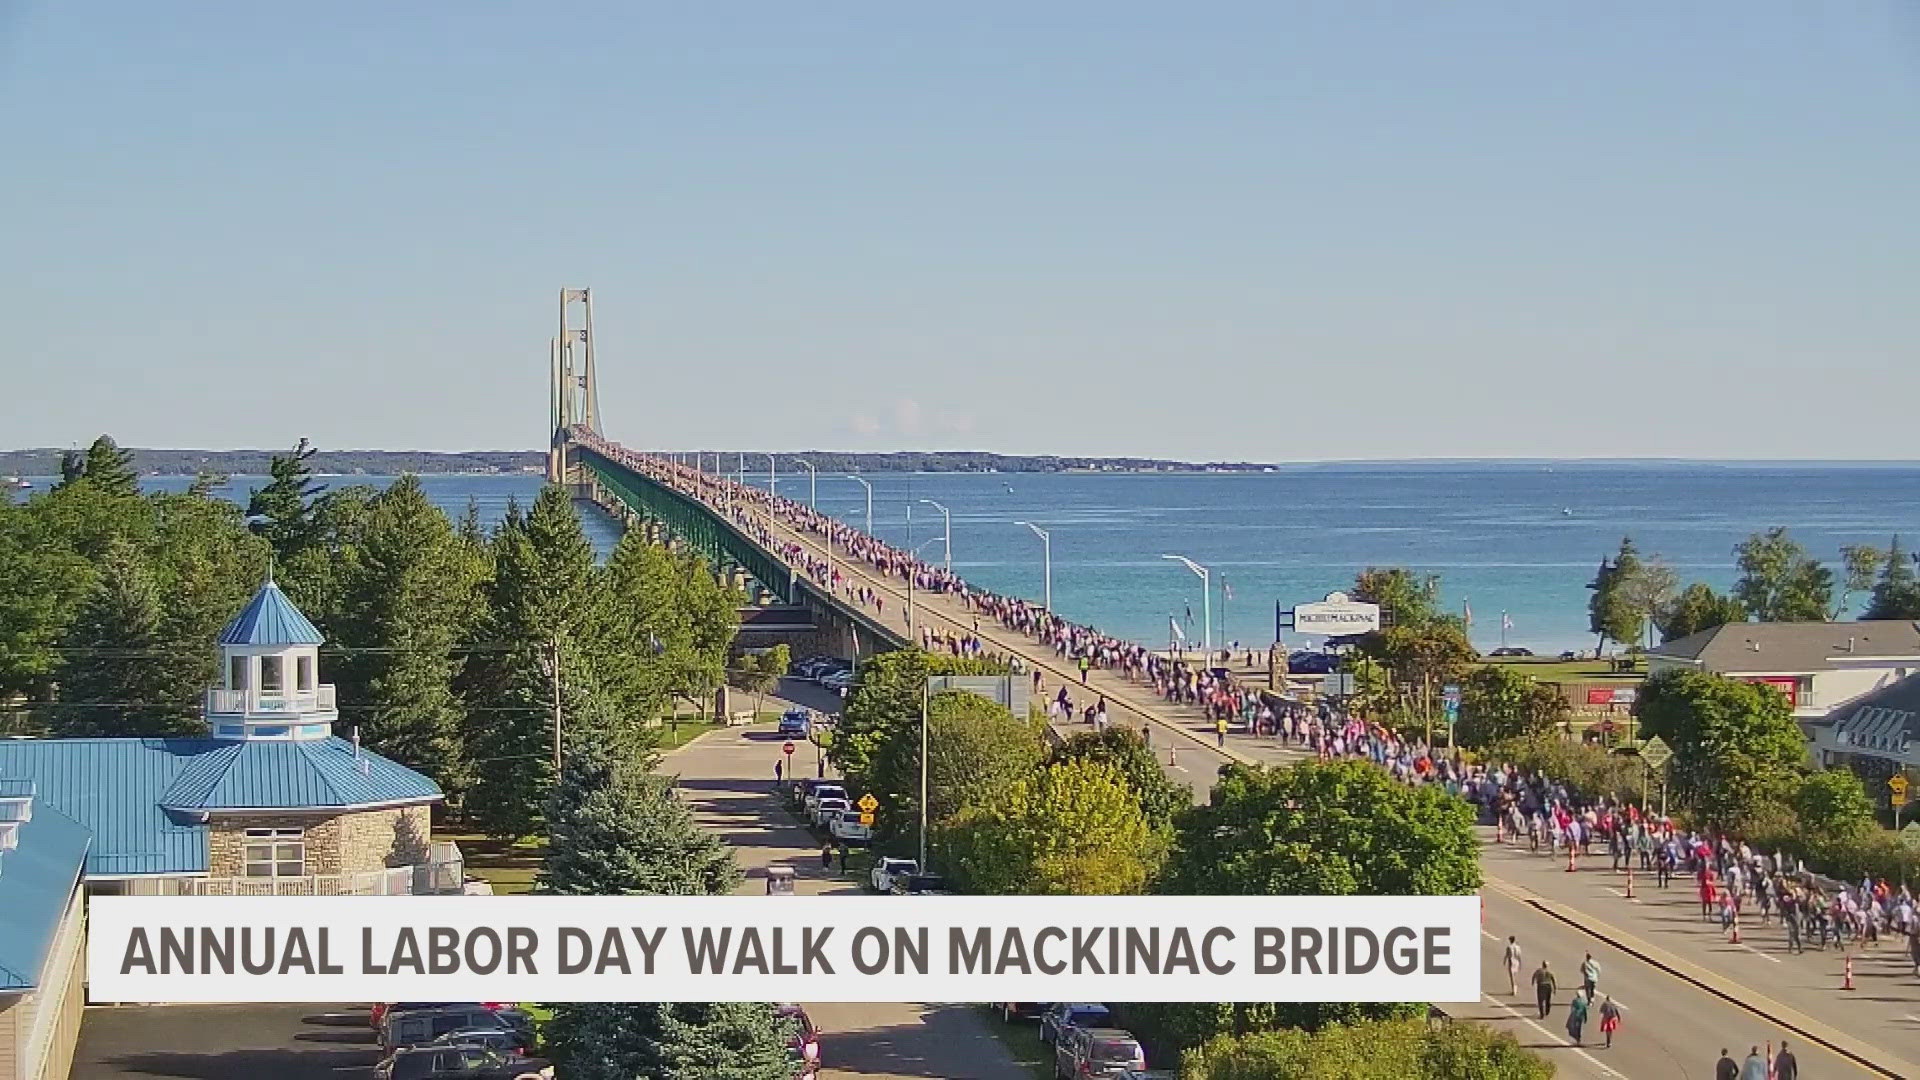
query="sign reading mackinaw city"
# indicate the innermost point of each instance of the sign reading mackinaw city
(754, 948)
(1335, 616)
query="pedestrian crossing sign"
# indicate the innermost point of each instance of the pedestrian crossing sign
(1897, 785)
(868, 804)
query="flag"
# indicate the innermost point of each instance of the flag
(1174, 624)
(1226, 590)
(1466, 611)
(1189, 612)
(1506, 621)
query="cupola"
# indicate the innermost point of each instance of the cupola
(270, 675)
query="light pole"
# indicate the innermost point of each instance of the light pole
(813, 483)
(862, 481)
(1046, 557)
(947, 537)
(1206, 598)
(772, 480)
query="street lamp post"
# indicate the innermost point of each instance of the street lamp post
(947, 537)
(862, 481)
(813, 483)
(1046, 563)
(1206, 598)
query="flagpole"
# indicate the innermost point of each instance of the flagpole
(1504, 622)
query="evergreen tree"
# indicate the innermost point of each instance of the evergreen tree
(1897, 595)
(112, 682)
(1611, 610)
(110, 468)
(206, 566)
(407, 597)
(1700, 608)
(619, 830)
(660, 1041)
(285, 505)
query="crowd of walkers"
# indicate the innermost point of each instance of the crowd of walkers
(1732, 880)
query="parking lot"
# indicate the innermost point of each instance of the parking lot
(225, 1042)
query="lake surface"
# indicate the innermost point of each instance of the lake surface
(1519, 538)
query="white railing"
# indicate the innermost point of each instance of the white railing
(269, 703)
(443, 875)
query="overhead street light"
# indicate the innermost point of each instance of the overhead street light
(948, 536)
(1046, 555)
(813, 482)
(862, 481)
(1206, 598)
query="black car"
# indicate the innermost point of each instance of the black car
(1071, 1014)
(422, 1026)
(460, 1063)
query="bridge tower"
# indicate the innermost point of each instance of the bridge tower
(573, 397)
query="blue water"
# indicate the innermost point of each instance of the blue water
(1523, 539)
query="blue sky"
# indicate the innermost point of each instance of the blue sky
(1261, 231)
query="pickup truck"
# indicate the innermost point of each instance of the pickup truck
(888, 870)
(847, 829)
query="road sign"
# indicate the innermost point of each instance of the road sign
(867, 803)
(788, 749)
(866, 817)
(1450, 694)
(1655, 752)
(1910, 836)
(1897, 789)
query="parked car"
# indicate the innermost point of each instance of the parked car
(1511, 650)
(1149, 1074)
(1086, 1052)
(838, 680)
(381, 1008)
(846, 828)
(1071, 1014)
(920, 885)
(822, 791)
(806, 1042)
(501, 1039)
(795, 724)
(1022, 1010)
(460, 1063)
(886, 870)
(825, 810)
(422, 1026)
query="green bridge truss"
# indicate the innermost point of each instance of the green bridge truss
(717, 539)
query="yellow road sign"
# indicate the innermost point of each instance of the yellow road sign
(1898, 782)
(866, 817)
(868, 803)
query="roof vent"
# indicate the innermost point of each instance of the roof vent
(1752, 645)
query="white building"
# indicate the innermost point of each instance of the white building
(1819, 666)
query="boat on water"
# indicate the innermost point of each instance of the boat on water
(14, 483)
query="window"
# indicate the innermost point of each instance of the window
(270, 674)
(237, 673)
(303, 667)
(232, 729)
(274, 731)
(275, 853)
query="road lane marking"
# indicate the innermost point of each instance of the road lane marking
(1558, 1039)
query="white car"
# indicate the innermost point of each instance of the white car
(822, 791)
(847, 828)
(825, 810)
(885, 870)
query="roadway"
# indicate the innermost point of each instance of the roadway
(1691, 989)
(726, 777)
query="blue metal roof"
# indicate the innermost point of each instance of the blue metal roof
(140, 797)
(272, 774)
(37, 879)
(270, 619)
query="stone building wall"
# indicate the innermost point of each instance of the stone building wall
(337, 843)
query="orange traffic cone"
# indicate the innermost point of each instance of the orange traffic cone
(1736, 928)
(1848, 984)
(1170, 755)
(1630, 881)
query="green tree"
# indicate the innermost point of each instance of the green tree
(619, 830)
(1897, 595)
(1779, 582)
(1736, 748)
(1423, 656)
(1498, 702)
(110, 469)
(759, 673)
(111, 683)
(1610, 614)
(1400, 1049)
(408, 593)
(1337, 828)
(1700, 608)
(1160, 798)
(1648, 594)
(671, 623)
(660, 1041)
(1073, 829)
(1832, 809)
(1860, 564)
(976, 751)
(284, 506)
(885, 700)
(43, 583)
(1412, 599)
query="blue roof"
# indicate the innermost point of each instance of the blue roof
(37, 879)
(270, 619)
(140, 797)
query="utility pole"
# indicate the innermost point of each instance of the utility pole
(554, 657)
(923, 775)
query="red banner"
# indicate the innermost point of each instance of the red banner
(1599, 695)
(1788, 686)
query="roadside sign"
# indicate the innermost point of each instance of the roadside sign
(866, 817)
(1897, 788)
(788, 749)
(868, 803)
(1910, 836)
(1450, 694)
(1655, 752)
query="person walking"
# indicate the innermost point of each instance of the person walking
(776, 772)
(1755, 1067)
(1785, 1065)
(1725, 1068)
(1609, 1019)
(1512, 961)
(1577, 1018)
(1544, 987)
(1590, 975)
(1220, 731)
